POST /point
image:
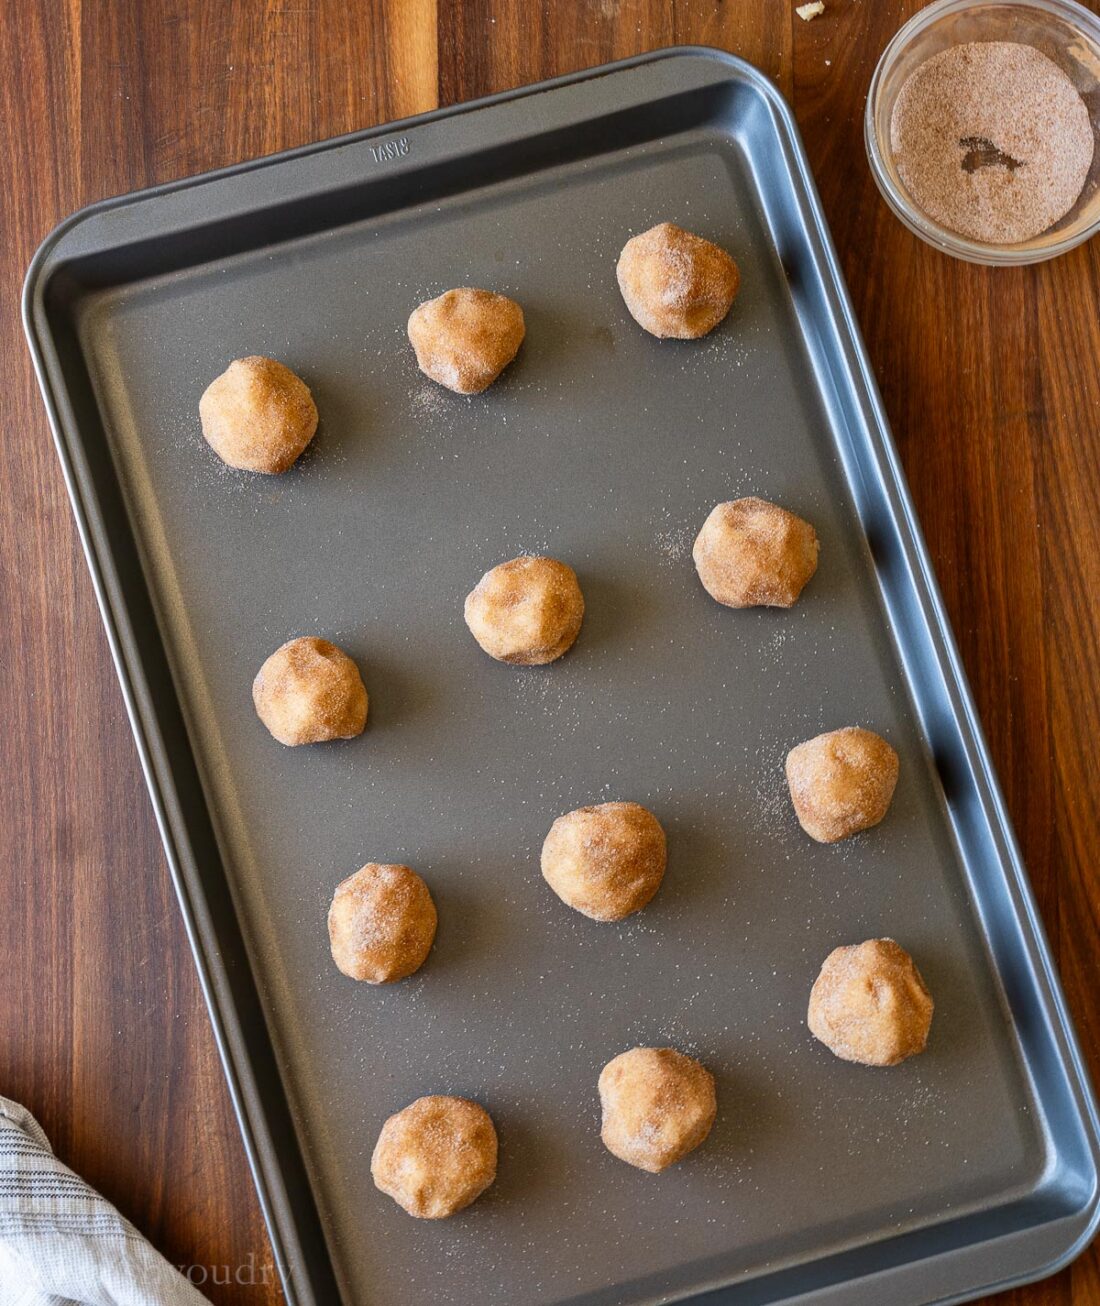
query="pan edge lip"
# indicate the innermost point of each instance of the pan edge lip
(460, 108)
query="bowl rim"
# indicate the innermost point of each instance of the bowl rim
(898, 200)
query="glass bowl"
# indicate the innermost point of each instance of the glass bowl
(1065, 33)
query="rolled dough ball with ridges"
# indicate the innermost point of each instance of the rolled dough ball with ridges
(258, 416)
(436, 1156)
(309, 691)
(527, 611)
(676, 284)
(466, 338)
(752, 553)
(870, 1004)
(658, 1105)
(605, 861)
(381, 923)
(841, 782)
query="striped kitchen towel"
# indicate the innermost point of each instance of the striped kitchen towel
(61, 1244)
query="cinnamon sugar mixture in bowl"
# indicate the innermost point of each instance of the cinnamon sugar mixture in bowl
(992, 140)
(983, 127)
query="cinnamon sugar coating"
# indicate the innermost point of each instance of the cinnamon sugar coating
(752, 553)
(381, 923)
(465, 338)
(869, 1004)
(309, 691)
(605, 861)
(658, 1105)
(676, 284)
(841, 782)
(436, 1156)
(258, 416)
(526, 611)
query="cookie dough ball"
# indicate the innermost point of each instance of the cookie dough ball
(309, 691)
(258, 416)
(675, 283)
(381, 923)
(658, 1105)
(841, 782)
(606, 861)
(527, 611)
(751, 553)
(436, 1156)
(466, 338)
(870, 1005)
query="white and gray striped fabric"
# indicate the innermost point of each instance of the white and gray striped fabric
(61, 1244)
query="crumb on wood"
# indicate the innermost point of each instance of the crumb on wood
(806, 12)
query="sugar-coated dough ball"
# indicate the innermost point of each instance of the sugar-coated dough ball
(381, 923)
(436, 1156)
(309, 691)
(675, 283)
(606, 861)
(528, 611)
(870, 1005)
(658, 1105)
(841, 782)
(258, 416)
(466, 338)
(751, 553)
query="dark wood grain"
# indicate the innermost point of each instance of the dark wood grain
(991, 383)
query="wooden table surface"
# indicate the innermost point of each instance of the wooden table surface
(991, 380)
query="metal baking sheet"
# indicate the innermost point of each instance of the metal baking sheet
(970, 1167)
